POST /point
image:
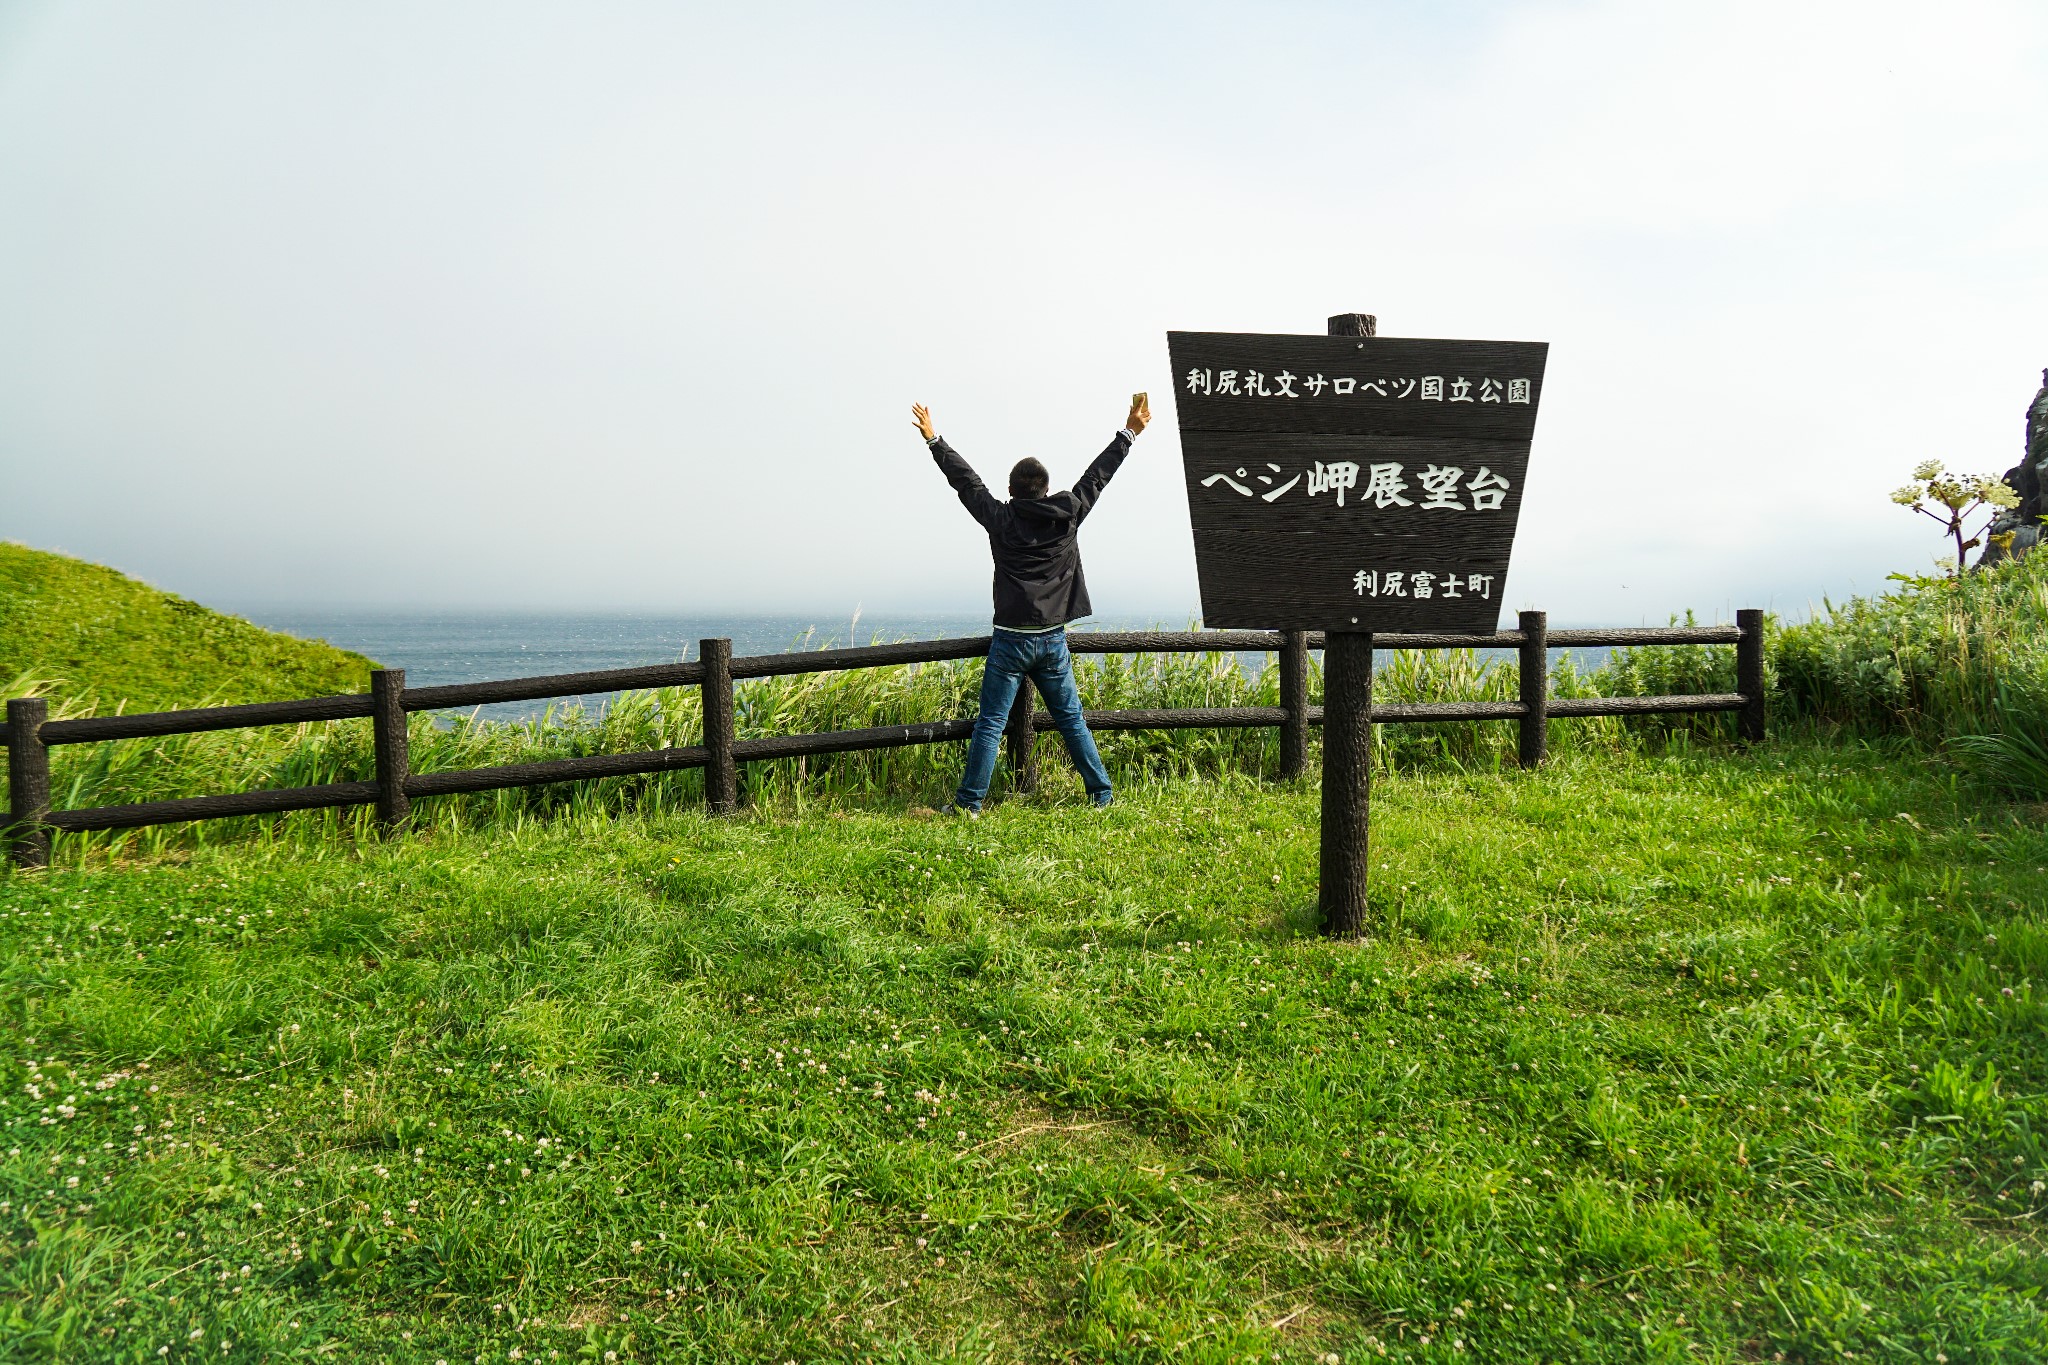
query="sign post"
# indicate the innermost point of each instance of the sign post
(1353, 483)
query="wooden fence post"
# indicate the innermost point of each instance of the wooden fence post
(1294, 701)
(1023, 739)
(393, 746)
(1347, 749)
(1535, 670)
(721, 773)
(1749, 674)
(1347, 781)
(28, 781)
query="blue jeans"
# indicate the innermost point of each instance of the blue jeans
(1043, 659)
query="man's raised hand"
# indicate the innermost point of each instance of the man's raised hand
(922, 415)
(1141, 413)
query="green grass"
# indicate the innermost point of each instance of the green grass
(1652, 1056)
(1665, 1052)
(95, 638)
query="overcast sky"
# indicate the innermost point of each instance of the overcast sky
(619, 306)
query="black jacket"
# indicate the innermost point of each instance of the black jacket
(1038, 578)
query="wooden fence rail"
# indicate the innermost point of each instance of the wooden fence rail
(30, 733)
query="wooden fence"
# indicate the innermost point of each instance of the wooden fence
(30, 732)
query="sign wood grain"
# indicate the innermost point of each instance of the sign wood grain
(1354, 483)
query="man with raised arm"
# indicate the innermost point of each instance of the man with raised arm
(1038, 589)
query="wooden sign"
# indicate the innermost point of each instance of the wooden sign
(1354, 483)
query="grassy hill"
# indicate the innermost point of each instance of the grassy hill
(1667, 1050)
(1710, 1055)
(99, 635)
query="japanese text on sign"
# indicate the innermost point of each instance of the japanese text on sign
(1428, 388)
(1437, 487)
(1421, 583)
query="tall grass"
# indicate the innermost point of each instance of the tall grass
(1957, 664)
(1949, 661)
(340, 751)
(1958, 661)
(1939, 656)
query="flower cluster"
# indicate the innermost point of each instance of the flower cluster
(1959, 496)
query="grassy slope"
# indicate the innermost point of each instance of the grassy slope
(1694, 1058)
(97, 633)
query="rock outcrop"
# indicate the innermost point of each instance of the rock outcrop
(2029, 479)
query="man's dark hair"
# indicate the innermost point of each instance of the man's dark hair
(1028, 479)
